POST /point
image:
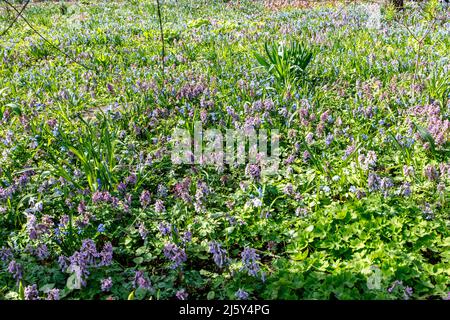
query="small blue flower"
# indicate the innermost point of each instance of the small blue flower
(101, 228)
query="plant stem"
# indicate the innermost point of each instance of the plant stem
(162, 35)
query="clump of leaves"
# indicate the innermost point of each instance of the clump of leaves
(287, 63)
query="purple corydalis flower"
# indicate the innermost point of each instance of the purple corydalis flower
(241, 294)
(96, 197)
(288, 189)
(408, 171)
(53, 294)
(182, 188)
(15, 269)
(306, 155)
(373, 182)
(159, 206)
(131, 179)
(186, 237)
(250, 261)
(408, 293)
(63, 262)
(32, 226)
(181, 294)
(79, 266)
(142, 231)
(64, 220)
(165, 228)
(89, 250)
(309, 138)
(329, 139)
(174, 253)
(31, 292)
(42, 252)
(82, 207)
(5, 254)
(350, 149)
(141, 281)
(145, 199)
(431, 173)
(106, 284)
(122, 187)
(253, 170)
(162, 191)
(406, 189)
(219, 254)
(106, 255)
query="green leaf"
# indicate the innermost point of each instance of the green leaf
(300, 256)
(73, 283)
(21, 291)
(138, 260)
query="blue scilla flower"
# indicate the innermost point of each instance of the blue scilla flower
(101, 228)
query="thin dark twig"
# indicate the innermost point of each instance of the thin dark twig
(45, 39)
(15, 19)
(162, 35)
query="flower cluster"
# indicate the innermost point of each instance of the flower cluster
(175, 254)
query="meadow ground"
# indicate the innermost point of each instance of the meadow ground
(94, 206)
